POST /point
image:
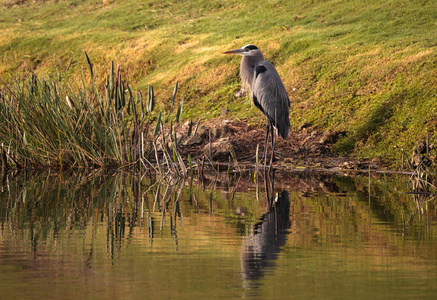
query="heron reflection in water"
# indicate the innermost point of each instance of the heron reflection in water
(262, 247)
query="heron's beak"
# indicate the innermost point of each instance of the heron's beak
(238, 52)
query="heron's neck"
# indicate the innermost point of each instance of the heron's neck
(247, 66)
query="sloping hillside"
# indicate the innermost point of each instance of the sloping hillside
(368, 68)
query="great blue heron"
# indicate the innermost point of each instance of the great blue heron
(266, 90)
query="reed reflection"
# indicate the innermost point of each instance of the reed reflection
(95, 216)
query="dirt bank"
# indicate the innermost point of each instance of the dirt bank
(226, 140)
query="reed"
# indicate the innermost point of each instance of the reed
(422, 181)
(422, 166)
(50, 121)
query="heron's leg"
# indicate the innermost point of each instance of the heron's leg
(265, 141)
(273, 146)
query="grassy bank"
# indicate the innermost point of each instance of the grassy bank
(366, 67)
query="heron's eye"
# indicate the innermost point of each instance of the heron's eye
(250, 47)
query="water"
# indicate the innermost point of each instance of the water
(324, 236)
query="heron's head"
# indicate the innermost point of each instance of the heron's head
(248, 50)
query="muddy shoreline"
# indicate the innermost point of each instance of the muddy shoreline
(235, 143)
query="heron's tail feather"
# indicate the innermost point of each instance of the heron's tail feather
(283, 125)
(284, 132)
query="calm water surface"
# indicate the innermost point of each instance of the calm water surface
(313, 236)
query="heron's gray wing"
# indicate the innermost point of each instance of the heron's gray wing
(270, 96)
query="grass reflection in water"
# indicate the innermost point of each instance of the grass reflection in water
(118, 235)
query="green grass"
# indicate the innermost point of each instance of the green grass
(367, 67)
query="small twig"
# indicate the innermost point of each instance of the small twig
(157, 158)
(409, 163)
(195, 129)
(203, 164)
(145, 159)
(210, 145)
(69, 64)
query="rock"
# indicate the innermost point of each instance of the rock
(220, 132)
(241, 93)
(216, 132)
(330, 137)
(347, 166)
(202, 131)
(220, 150)
(304, 126)
(193, 140)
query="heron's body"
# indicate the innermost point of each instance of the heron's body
(266, 89)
